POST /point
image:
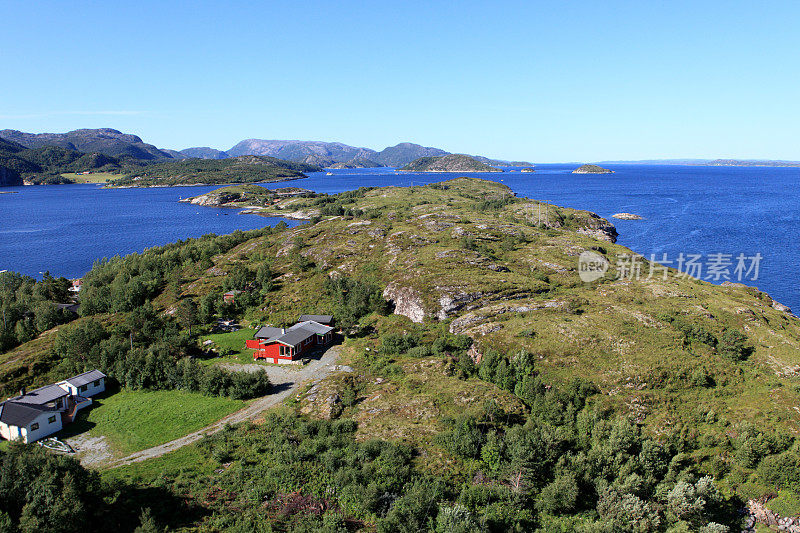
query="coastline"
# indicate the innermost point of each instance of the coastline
(294, 178)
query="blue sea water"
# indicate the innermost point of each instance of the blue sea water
(686, 209)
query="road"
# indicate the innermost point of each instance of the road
(286, 380)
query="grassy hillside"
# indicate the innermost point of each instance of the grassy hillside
(498, 392)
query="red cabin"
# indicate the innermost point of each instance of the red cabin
(284, 345)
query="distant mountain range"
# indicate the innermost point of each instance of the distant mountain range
(114, 143)
(104, 141)
(330, 154)
(708, 162)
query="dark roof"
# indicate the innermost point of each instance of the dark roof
(268, 332)
(323, 319)
(313, 327)
(20, 415)
(85, 378)
(294, 337)
(300, 332)
(69, 307)
(42, 396)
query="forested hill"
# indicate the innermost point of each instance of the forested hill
(448, 163)
(243, 169)
(483, 386)
(46, 165)
(105, 141)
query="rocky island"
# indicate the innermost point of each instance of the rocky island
(245, 196)
(592, 169)
(627, 216)
(448, 163)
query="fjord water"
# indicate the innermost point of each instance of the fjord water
(686, 209)
(63, 229)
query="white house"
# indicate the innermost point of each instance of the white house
(28, 423)
(39, 413)
(85, 385)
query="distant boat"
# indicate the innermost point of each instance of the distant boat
(329, 174)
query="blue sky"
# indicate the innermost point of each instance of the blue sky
(543, 81)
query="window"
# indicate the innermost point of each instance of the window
(34, 426)
(82, 388)
(51, 420)
(96, 383)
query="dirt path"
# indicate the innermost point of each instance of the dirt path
(285, 380)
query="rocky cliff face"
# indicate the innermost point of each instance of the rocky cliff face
(406, 301)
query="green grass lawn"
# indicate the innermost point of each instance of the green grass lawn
(231, 346)
(97, 177)
(136, 420)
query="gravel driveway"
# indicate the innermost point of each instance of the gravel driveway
(285, 379)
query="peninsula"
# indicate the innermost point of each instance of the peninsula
(242, 169)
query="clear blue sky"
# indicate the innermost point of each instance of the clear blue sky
(544, 81)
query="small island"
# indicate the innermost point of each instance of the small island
(627, 216)
(592, 169)
(356, 163)
(249, 196)
(527, 169)
(448, 163)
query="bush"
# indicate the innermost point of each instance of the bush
(464, 440)
(396, 343)
(420, 351)
(560, 496)
(732, 345)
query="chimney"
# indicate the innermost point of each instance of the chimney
(283, 330)
(22, 391)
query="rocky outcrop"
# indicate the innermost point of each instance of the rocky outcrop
(759, 514)
(406, 301)
(211, 200)
(780, 307)
(627, 216)
(451, 303)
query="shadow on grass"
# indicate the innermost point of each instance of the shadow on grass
(167, 508)
(81, 424)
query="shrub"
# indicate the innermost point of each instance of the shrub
(560, 496)
(732, 345)
(420, 351)
(464, 440)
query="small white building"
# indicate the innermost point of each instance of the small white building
(40, 413)
(85, 385)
